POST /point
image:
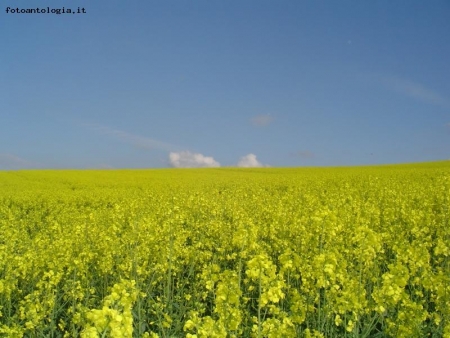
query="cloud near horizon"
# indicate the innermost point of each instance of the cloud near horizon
(12, 162)
(186, 159)
(133, 139)
(261, 120)
(250, 161)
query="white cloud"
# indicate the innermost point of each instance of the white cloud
(413, 89)
(12, 162)
(250, 161)
(261, 120)
(133, 139)
(186, 159)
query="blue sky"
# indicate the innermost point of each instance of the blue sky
(153, 84)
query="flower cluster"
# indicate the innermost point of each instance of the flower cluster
(228, 252)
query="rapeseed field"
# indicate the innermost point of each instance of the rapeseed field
(226, 252)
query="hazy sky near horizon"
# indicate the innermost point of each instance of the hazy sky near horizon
(137, 84)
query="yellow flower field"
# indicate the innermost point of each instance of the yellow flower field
(226, 252)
